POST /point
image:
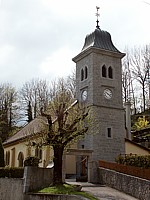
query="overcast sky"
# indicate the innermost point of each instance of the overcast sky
(39, 38)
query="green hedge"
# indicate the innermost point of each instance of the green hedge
(12, 172)
(134, 160)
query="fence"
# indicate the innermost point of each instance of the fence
(134, 171)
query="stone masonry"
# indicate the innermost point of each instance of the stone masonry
(137, 187)
(107, 132)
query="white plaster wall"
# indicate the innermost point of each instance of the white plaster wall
(131, 148)
(22, 147)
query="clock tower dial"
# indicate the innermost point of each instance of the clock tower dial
(84, 95)
(107, 94)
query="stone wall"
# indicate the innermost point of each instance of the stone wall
(137, 187)
(11, 188)
(36, 178)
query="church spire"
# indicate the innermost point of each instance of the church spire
(97, 15)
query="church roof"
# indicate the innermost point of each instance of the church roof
(35, 127)
(100, 39)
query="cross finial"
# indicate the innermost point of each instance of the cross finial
(97, 15)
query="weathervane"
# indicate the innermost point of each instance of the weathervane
(97, 15)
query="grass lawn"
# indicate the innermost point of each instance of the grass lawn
(67, 189)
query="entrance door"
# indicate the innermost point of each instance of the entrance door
(82, 169)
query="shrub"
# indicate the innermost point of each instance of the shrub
(134, 160)
(31, 161)
(11, 172)
(2, 162)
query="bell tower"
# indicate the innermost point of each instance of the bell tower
(99, 84)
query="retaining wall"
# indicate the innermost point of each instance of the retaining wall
(36, 178)
(134, 186)
(11, 189)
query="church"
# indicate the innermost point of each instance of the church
(99, 85)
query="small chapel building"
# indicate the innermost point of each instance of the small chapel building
(98, 84)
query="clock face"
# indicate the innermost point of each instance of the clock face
(84, 95)
(107, 93)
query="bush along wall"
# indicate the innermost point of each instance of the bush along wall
(11, 172)
(32, 161)
(134, 160)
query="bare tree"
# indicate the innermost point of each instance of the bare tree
(127, 82)
(67, 121)
(71, 82)
(126, 78)
(34, 94)
(140, 70)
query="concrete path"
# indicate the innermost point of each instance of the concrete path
(102, 192)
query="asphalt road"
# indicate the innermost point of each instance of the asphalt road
(103, 192)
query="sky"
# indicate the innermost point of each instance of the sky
(39, 38)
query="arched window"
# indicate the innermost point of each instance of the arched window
(110, 72)
(86, 72)
(7, 157)
(20, 159)
(103, 71)
(38, 152)
(82, 74)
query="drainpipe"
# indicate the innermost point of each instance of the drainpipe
(128, 119)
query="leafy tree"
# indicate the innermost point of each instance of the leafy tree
(67, 121)
(141, 122)
(2, 162)
(29, 112)
(8, 109)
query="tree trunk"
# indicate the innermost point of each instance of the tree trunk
(58, 154)
(143, 93)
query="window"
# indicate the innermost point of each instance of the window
(109, 133)
(20, 159)
(13, 157)
(103, 71)
(38, 152)
(86, 72)
(7, 157)
(28, 151)
(82, 74)
(110, 72)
